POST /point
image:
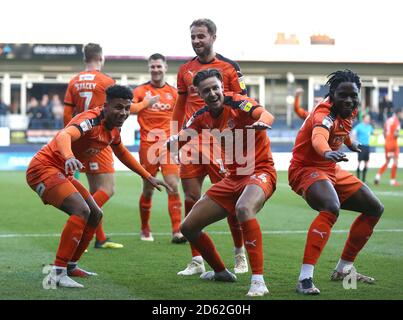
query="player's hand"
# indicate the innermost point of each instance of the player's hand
(157, 183)
(355, 146)
(153, 99)
(299, 91)
(170, 143)
(72, 165)
(259, 125)
(335, 156)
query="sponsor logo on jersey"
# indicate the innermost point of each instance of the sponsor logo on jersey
(86, 77)
(246, 106)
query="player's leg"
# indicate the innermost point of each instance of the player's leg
(66, 198)
(249, 203)
(321, 196)
(364, 201)
(102, 188)
(216, 170)
(192, 192)
(145, 204)
(205, 212)
(92, 224)
(174, 205)
(393, 171)
(383, 168)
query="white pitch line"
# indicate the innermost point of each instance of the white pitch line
(129, 234)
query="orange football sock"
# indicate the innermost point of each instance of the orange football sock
(100, 197)
(86, 238)
(236, 231)
(253, 244)
(69, 240)
(188, 206)
(175, 211)
(206, 247)
(360, 232)
(393, 171)
(145, 212)
(317, 236)
(382, 169)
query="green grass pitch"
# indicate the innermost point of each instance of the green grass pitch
(147, 270)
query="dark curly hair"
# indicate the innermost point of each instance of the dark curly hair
(118, 92)
(337, 77)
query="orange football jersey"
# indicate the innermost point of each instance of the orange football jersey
(87, 90)
(95, 137)
(391, 125)
(158, 116)
(322, 115)
(232, 79)
(234, 118)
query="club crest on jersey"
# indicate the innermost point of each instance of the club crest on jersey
(169, 96)
(231, 123)
(327, 122)
(86, 125)
(246, 106)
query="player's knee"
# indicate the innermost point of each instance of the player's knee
(332, 207)
(110, 190)
(83, 211)
(243, 212)
(378, 208)
(148, 193)
(192, 197)
(185, 229)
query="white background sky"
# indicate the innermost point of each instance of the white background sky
(364, 30)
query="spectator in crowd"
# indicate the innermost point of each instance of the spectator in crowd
(57, 111)
(38, 114)
(3, 112)
(3, 108)
(385, 109)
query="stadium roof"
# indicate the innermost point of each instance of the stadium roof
(247, 30)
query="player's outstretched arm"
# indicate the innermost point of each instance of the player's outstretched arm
(353, 145)
(179, 110)
(63, 142)
(264, 119)
(67, 114)
(129, 161)
(320, 138)
(301, 112)
(136, 107)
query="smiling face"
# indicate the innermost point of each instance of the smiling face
(212, 92)
(116, 112)
(345, 99)
(157, 69)
(202, 40)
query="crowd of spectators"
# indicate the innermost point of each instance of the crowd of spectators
(45, 114)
